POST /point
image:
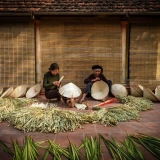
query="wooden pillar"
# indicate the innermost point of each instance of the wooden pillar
(124, 54)
(38, 52)
(158, 57)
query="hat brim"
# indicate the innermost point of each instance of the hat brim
(157, 92)
(19, 91)
(7, 92)
(119, 89)
(147, 93)
(70, 90)
(1, 90)
(136, 91)
(33, 91)
(99, 90)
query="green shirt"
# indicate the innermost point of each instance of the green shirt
(48, 80)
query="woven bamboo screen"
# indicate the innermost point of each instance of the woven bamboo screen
(78, 43)
(144, 54)
(17, 52)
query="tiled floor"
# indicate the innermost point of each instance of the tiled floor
(149, 124)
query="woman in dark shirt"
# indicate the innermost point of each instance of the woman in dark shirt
(51, 82)
(96, 76)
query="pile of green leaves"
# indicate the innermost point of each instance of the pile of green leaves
(90, 148)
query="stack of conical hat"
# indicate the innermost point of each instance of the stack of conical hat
(7, 92)
(19, 91)
(119, 89)
(99, 90)
(1, 90)
(147, 93)
(136, 90)
(157, 92)
(33, 91)
(70, 90)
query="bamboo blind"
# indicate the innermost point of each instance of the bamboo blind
(144, 54)
(78, 43)
(17, 53)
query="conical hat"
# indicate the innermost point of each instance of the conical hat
(19, 91)
(119, 89)
(70, 90)
(1, 90)
(147, 93)
(99, 90)
(140, 87)
(136, 91)
(157, 92)
(7, 92)
(33, 91)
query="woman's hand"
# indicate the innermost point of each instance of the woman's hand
(57, 83)
(96, 79)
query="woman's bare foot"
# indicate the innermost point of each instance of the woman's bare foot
(83, 97)
(82, 100)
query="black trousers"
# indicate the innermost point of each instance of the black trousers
(51, 94)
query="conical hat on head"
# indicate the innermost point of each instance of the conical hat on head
(7, 92)
(99, 90)
(19, 91)
(33, 91)
(157, 92)
(147, 93)
(119, 89)
(70, 90)
(136, 91)
(1, 90)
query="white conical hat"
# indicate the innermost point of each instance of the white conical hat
(99, 90)
(19, 91)
(7, 92)
(136, 91)
(1, 90)
(147, 93)
(119, 89)
(157, 92)
(70, 90)
(140, 87)
(33, 91)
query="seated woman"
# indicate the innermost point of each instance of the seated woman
(97, 75)
(51, 82)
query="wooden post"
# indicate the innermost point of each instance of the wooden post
(158, 58)
(124, 43)
(38, 52)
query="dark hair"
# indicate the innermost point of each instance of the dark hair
(97, 67)
(53, 66)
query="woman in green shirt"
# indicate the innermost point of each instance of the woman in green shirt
(51, 82)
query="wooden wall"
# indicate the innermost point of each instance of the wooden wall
(143, 54)
(78, 43)
(17, 52)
